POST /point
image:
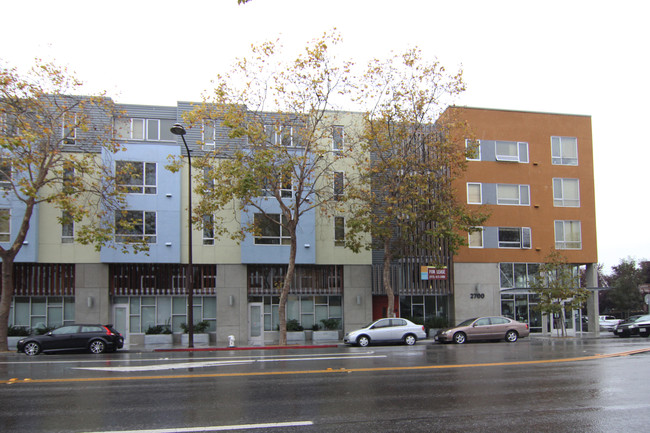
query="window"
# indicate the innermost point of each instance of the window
(568, 235)
(514, 237)
(476, 238)
(564, 150)
(137, 129)
(67, 228)
(5, 225)
(566, 192)
(337, 137)
(208, 132)
(511, 151)
(513, 194)
(339, 179)
(269, 232)
(517, 275)
(339, 231)
(136, 176)
(5, 173)
(475, 146)
(282, 135)
(69, 130)
(208, 181)
(135, 226)
(208, 230)
(474, 193)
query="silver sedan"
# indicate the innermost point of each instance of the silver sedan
(386, 331)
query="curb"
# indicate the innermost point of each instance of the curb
(221, 349)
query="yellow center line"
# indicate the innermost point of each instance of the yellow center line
(328, 370)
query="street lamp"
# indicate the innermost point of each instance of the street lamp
(178, 129)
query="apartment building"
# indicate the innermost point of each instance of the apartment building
(534, 173)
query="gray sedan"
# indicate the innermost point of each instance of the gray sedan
(484, 328)
(386, 331)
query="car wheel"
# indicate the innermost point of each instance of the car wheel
(460, 338)
(363, 341)
(410, 339)
(511, 336)
(97, 346)
(32, 348)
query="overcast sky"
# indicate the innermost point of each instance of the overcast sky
(571, 56)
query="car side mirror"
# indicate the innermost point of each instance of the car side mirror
(49, 333)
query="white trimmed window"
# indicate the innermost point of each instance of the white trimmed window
(339, 231)
(269, 232)
(5, 225)
(476, 147)
(338, 136)
(514, 237)
(208, 230)
(564, 150)
(5, 173)
(208, 134)
(140, 129)
(514, 151)
(339, 182)
(568, 235)
(136, 177)
(134, 226)
(68, 129)
(67, 228)
(566, 192)
(508, 194)
(475, 239)
(280, 135)
(474, 193)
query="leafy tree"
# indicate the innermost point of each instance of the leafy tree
(411, 157)
(281, 164)
(51, 150)
(557, 285)
(623, 295)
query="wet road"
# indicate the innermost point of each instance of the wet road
(537, 385)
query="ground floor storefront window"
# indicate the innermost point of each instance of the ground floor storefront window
(307, 310)
(170, 311)
(36, 312)
(424, 308)
(521, 307)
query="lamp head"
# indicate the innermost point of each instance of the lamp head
(178, 129)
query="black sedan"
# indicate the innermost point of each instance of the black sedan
(94, 338)
(637, 326)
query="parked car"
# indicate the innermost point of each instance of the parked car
(94, 338)
(637, 326)
(484, 328)
(608, 323)
(386, 331)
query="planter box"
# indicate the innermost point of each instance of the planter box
(198, 339)
(325, 336)
(12, 341)
(150, 339)
(295, 337)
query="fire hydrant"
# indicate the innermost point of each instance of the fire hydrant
(231, 341)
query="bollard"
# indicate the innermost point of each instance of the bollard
(231, 341)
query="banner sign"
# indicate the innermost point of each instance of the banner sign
(433, 273)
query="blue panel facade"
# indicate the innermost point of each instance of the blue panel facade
(29, 251)
(166, 203)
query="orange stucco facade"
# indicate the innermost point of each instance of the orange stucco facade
(535, 129)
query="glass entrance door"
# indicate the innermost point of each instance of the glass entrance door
(121, 321)
(256, 324)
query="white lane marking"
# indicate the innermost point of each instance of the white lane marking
(166, 358)
(183, 365)
(217, 428)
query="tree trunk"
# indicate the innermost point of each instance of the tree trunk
(286, 286)
(387, 283)
(5, 301)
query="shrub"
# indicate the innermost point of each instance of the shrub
(199, 328)
(293, 325)
(44, 330)
(331, 324)
(158, 329)
(18, 331)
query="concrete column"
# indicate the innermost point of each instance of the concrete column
(232, 304)
(593, 310)
(92, 302)
(357, 296)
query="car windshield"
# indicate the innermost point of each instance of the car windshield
(467, 322)
(642, 318)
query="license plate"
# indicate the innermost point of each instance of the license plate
(619, 331)
(643, 329)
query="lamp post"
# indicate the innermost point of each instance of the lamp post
(178, 129)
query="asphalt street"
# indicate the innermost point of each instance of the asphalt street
(554, 385)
